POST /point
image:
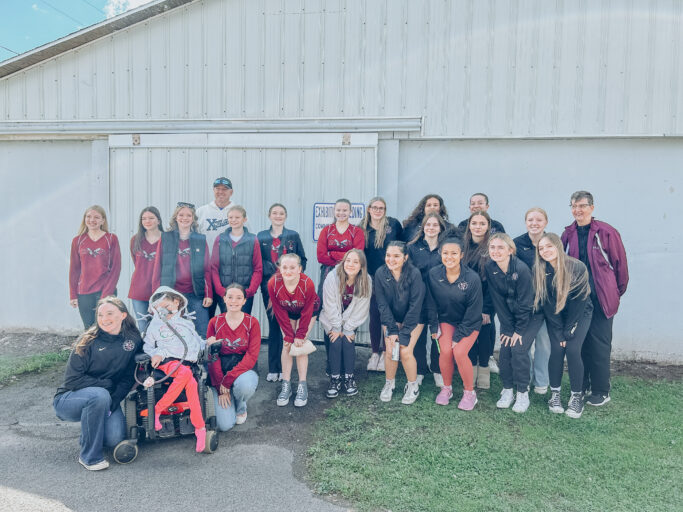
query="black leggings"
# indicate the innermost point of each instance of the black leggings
(572, 350)
(420, 353)
(341, 355)
(274, 334)
(482, 349)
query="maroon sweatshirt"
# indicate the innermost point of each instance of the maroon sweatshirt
(332, 245)
(183, 272)
(245, 339)
(142, 280)
(94, 266)
(303, 301)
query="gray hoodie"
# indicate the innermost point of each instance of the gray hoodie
(331, 316)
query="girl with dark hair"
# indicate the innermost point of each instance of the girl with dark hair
(275, 242)
(346, 304)
(400, 293)
(536, 220)
(563, 292)
(95, 264)
(379, 231)
(423, 251)
(337, 239)
(182, 263)
(98, 376)
(475, 256)
(233, 370)
(454, 304)
(294, 302)
(511, 288)
(428, 204)
(143, 249)
(236, 258)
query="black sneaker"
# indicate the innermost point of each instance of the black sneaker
(597, 400)
(350, 385)
(575, 406)
(334, 388)
(555, 403)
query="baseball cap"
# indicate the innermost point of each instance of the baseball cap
(222, 181)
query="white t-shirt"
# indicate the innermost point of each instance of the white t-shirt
(213, 221)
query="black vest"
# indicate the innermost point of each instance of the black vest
(169, 254)
(236, 263)
(289, 241)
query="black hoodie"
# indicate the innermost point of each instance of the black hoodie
(512, 293)
(399, 301)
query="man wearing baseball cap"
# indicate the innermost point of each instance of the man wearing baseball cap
(213, 220)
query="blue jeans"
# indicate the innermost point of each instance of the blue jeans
(539, 367)
(242, 390)
(201, 319)
(91, 407)
(140, 309)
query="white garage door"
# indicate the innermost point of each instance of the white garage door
(296, 170)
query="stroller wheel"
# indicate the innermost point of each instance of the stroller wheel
(211, 441)
(125, 452)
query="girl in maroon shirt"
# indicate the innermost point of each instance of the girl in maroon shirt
(143, 250)
(293, 299)
(95, 264)
(337, 239)
(233, 372)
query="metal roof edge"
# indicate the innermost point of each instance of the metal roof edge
(87, 35)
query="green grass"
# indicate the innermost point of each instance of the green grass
(626, 455)
(11, 366)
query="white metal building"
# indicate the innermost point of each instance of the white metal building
(304, 101)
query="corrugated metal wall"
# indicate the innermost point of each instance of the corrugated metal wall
(473, 68)
(295, 177)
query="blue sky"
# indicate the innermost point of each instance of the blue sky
(27, 24)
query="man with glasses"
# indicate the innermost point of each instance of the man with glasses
(213, 220)
(598, 245)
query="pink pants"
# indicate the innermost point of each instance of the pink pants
(459, 353)
(182, 379)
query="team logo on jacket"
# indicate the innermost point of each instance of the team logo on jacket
(94, 253)
(183, 253)
(514, 276)
(290, 246)
(128, 345)
(463, 286)
(148, 256)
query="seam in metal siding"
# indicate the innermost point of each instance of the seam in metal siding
(471, 68)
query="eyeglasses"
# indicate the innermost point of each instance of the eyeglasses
(583, 206)
(181, 204)
(377, 208)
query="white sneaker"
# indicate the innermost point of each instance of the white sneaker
(522, 402)
(438, 380)
(380, 364)
(387, 391)
(493, 365)
(540, 390)
(506, 398)
(103, 464)
(419, 380)
(373, 362)
(410, 393)
(271, 377)
(240, 418)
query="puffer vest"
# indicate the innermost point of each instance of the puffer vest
(169, 254)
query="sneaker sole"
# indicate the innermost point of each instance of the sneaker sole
(588, 402)
(572, 414)
(327, 395)
(503, 406)
(410, 400)
(354, 393)
(556, 410)
(386, 398)
(471, 409)
(300, 403)
(520, 411)
(282, 403)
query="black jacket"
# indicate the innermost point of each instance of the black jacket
(459, 303)
(375, 256)
(474, 261)
(576, 306)
(423, 257)
(289, 242)
(410, 230)
(107, 362)
(526, 251)
(399, 301)
(512, 293)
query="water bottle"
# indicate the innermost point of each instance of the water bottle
(395, 352)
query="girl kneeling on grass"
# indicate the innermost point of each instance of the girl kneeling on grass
(454, 304)
(98, 376)
(167, 350)
(233, 370)
(400, 293)
(563, 292)
(512, 291)
(293, 299)
(346, 305)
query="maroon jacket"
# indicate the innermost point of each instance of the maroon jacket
(607, 259)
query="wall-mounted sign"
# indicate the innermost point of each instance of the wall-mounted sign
(323, 214)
